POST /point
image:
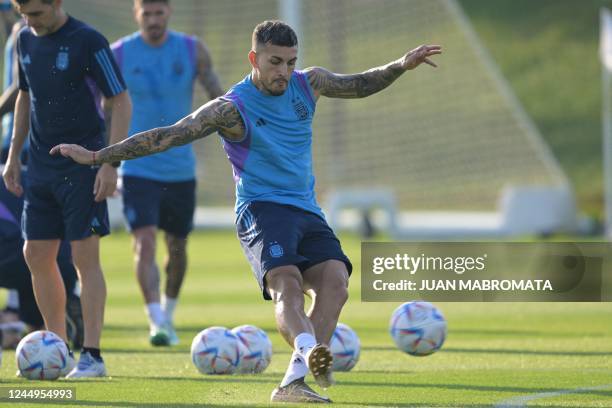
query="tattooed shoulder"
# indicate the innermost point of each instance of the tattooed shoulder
(224, 116)
(318, 77)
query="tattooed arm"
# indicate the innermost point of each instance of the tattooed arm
(217, 115)
(332, 85)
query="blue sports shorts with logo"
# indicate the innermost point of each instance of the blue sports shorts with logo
(274, 235)
(64, 209)
(169, 206)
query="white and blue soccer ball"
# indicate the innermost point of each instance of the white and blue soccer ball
(418, 328)
(215, 351)
(255, 349)
(345, 348)
(41, 355)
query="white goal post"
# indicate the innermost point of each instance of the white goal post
(605, 44)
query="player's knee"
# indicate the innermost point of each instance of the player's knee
(34, 255)
(285, 285)
(144, 245)
(335, 286)
(177, 247)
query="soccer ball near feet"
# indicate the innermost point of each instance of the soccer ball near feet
(345, 348)
(41, 355)
(215, 351)
(418, 328)
(255, 349)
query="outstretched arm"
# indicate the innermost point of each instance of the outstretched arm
(332, 85)
(217, 115)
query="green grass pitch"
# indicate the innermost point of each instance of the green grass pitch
(494, 352)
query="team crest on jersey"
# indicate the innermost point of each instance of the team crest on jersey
(62, 60)
(300, 108)
(276, 251)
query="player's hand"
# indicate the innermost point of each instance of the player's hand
(77, 153)
(420, 55)
(12, 177)
(106, 182)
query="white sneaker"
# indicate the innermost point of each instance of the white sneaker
(172, 336)
(88, 367)
(319, 360)
(297, 391)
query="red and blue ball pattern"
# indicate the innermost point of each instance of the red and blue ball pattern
(255, 349)
(215, 351)
(41, 355)
(345, 347)
(418, 328)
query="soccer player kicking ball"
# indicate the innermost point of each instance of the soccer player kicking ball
(265, 122)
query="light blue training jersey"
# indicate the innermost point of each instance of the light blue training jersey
(274, 160)
(160, 81)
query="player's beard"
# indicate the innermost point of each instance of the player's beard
(274, 91)
(156, 32)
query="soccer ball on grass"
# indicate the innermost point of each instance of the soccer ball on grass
(418, 328)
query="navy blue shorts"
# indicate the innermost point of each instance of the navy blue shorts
(64, 209)
(274, 235)
(169, 206)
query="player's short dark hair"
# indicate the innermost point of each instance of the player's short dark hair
(141, 2)
(274, 32)
(22, 2)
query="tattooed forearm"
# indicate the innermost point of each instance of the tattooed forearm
(216, 115)
(151, 142)
(355, 85)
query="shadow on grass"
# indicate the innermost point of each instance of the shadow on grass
(81, 403)
(147, 350)
(417, 405)
(529, 352)
(260, 378)
(273, 379)
(503, 351)
(179, 329)
(470, 387)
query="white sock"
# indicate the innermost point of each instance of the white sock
(168, 305)
(297, 369)
(12, 300)
(303, 343)
(156, 314)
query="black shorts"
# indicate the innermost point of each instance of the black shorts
(169, 206)
(274, 235)
(64, 209)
